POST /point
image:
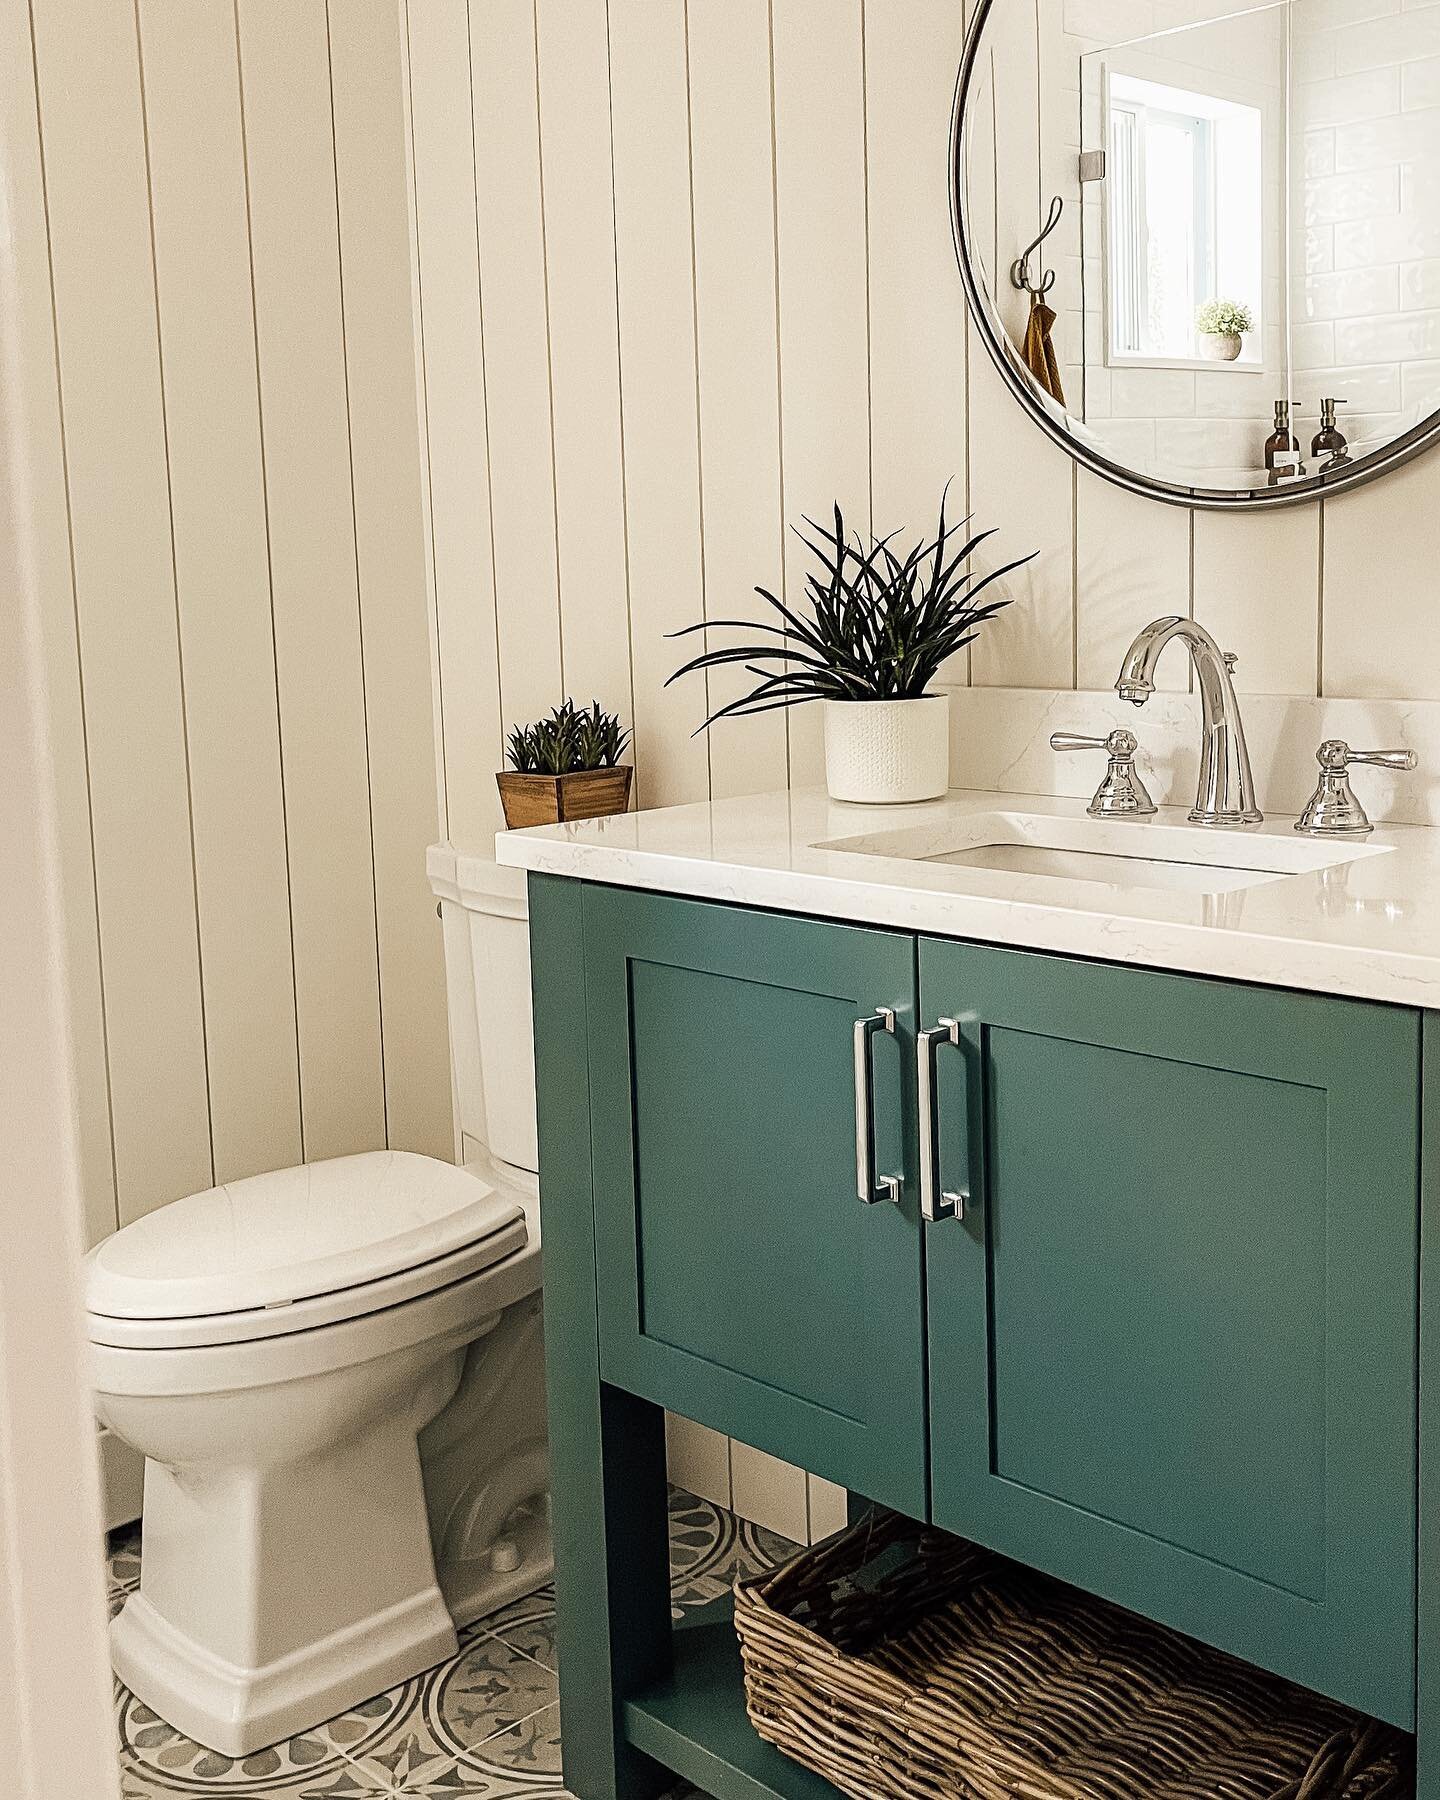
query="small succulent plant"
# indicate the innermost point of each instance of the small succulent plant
(1224, 318)
(567, 741)
(880, 623)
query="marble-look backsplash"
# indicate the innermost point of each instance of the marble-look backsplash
(1000, 738)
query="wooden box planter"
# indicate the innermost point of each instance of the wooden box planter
(551, 799)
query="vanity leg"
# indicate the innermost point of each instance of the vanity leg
(1427, 1669)
(607, 1448)
(1428, 1570)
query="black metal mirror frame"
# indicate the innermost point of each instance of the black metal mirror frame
(1290, 493)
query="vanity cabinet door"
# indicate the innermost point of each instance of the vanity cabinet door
(741, 1280)
(1172, 1344)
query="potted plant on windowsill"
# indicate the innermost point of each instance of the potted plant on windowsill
(566, 767)
(1222, 325)
(869, 640)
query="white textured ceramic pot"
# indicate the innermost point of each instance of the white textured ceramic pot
(887, 752)
(1221, 346)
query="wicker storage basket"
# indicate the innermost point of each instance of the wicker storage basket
(904, 1664)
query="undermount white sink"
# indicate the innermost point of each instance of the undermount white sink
(1114, 853)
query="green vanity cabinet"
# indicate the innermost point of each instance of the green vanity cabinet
(1166, 1350)
(1172, 1345)
(741, 1280)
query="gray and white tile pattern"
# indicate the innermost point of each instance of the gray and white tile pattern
(483, 1726)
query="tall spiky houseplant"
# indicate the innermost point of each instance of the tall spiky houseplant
(869, 638)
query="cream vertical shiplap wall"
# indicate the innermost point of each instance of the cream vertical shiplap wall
(229, 502)
(685, 273)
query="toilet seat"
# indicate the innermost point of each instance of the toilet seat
(286, 1253)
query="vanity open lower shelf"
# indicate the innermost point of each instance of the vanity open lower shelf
(693, 1721)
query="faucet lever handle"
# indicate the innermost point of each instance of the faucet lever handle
(1334, 810)
(1122, 793)
(1383, 759)
(1118, 743)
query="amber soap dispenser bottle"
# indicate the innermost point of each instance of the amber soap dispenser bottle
(1282, 449)
(1329, 441)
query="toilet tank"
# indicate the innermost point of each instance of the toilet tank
(487, 975)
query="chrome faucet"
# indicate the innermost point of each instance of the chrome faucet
(1226, 791)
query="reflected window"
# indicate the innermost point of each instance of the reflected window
(1183, 215)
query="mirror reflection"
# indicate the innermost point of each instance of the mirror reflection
(1238, 293)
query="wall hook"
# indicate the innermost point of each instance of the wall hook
(1020, 272)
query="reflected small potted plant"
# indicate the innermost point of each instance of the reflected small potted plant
(1221, 325)
(566, 766)
(869, 640)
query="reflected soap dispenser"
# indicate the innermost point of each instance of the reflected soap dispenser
(1328, 446)
(1282, 448)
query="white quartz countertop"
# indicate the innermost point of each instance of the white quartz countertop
(1367, 926)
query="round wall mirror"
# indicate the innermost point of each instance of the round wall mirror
(1201, 239)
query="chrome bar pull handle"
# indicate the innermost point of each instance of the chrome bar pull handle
(936, 1203)
(871, 1187)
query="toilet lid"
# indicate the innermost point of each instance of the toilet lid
(273, 1240)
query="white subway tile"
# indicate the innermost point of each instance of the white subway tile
(1212, 443)
(1420, 387)
(1372, 387)
(1108, 21)
(1097, 392)
(1352, 293)
(1130, 442)
(1231, 395)
(1361, 243)
(1313, 57)
(1395, 339)
(1152, 393)
(1319, 249)
(1349, 97)
(1419, 181)
(1420, 84)
(1420, 283)
(1312, 344)
(1372, 429)
(1333, 199)
(1377, 143)
(1398, 39)
(1324, 18)
(1320, 151)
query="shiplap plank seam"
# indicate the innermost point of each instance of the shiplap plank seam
(94, 1098)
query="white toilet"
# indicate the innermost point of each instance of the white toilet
(335, 1373)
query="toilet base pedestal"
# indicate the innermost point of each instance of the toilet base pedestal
(273, 1598)
(238, 1711)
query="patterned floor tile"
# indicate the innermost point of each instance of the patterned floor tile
(412, 1765)
(173, 1764)
(525, 1759)
(527, 1625)
(340, 1781)
(488, 1689)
